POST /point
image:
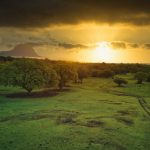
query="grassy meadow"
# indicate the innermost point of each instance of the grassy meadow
(95, 115)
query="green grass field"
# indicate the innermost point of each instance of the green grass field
(96, 115)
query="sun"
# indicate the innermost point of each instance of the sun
(103, 52)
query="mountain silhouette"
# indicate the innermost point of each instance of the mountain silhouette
(21, 50)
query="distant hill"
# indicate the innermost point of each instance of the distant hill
(21, 50)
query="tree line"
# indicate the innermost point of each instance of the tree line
(35, 73)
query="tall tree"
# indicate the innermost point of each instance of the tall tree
(82, 73)
(65, 73)
(28, 74)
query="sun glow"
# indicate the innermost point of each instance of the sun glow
(103, 52)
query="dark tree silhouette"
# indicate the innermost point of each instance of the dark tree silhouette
(120, 81)
(140, 77)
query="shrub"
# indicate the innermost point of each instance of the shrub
(120, 81)
(140, 77)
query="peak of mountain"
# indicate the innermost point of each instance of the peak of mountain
(21, 50)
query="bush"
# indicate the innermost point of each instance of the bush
(140, 77)
(120, 81)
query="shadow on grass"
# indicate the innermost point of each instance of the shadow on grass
(37, 94)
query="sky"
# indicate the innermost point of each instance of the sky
(115, 31)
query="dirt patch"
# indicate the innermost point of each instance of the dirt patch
(111, 129)
(65, 120)
(97, 141)
(26, 117)
(66, 116)
(70, 112)
(94, 123)
(125, 120)
(60, 116)
(127, 113)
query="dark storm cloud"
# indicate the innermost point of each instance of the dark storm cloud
(127, 45)
(11, 38)
(57, 44)
(36, 13)
(133, 45)
(118, 45)
(146, 46)
(72, 46)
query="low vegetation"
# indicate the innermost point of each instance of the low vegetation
(59, 113)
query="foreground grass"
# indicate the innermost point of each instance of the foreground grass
(92, 116)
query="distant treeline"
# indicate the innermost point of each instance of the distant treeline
(96, 69)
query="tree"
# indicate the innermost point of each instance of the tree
(65, 73)
(107, 73)
(82, 73)
(28, 74)
(75, 77)
(120, 81)
(148, 77)
(1, 73)
(49, 74)
(140, 77)
(95, 73)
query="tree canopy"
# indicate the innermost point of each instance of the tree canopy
(65, 73)
(120, 81)
(28, 74)
(140, 77)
